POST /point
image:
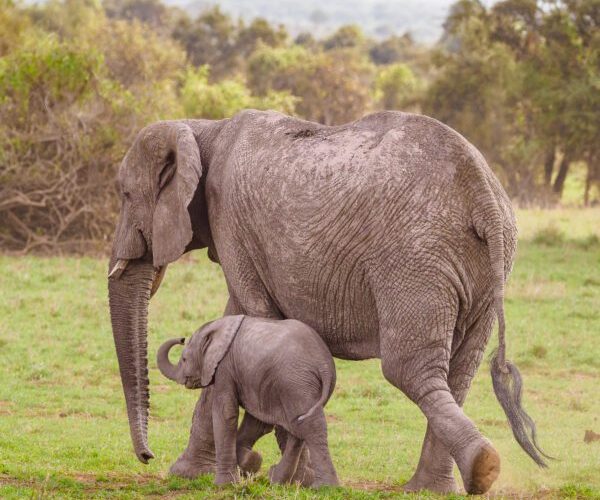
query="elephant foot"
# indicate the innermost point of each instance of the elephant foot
(479, 467)
(225, 478)
(249, 461)
(437, 484)
(191, 468)
(304, 476)
(277, 475)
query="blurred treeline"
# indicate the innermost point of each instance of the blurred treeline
(79, 78)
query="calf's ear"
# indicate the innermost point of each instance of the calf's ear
(219, 336)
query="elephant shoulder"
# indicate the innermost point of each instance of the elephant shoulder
(258, 117)
(268, 122)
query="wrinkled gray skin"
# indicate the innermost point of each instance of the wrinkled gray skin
(389, 236)
(280, 372)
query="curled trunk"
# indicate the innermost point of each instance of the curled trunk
(129, 295)
(168, 369)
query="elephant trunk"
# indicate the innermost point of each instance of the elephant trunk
(168, 369)
(129, 294)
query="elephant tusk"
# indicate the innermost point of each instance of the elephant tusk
(159, 274)
(118, 269)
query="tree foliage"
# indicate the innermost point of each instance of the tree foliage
(397, 87)
(521, 81)
(79, 78)
(201, 99)
(333, 87)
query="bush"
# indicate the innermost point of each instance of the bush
(71, 102)
(223, 99)
(67, 115)
(397, 87)
(333, 87)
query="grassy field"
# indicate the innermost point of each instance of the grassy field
(63, 428)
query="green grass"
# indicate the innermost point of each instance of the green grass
(63, 428)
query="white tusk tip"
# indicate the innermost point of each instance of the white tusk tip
(118, 269)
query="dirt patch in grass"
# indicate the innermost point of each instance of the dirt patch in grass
(494, 422)
(88, 480)
(6, 408)
(372, 486)
(117, 479)
(581, 375)
(591, 436)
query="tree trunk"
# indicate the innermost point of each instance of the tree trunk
(588, 184)
(549, 166)
(559, 182)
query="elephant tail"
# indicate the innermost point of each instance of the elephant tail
(327, 384)
(506, 379)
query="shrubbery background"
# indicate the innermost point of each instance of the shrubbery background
(79, 78)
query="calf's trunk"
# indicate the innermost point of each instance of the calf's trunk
(168, 369)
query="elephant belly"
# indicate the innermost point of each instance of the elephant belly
(335, 300)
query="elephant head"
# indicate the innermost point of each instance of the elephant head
(200, 358)
(163, 214)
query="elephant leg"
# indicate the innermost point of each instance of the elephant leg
(416, 348)
(304, 474)
(313, 430)
(251, 430)
(435, 469)
(199, 456)
(225, 412)
(283, 472)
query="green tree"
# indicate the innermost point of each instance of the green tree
(209, 39)
(153, 13)
(258, 32)
(333, 86)
(397, 87)
(69, 108)
(13, 23)
(348, 36)
(554, 43)
(393, 49)
(201, 99)
(477, 90)
(148, 58)
(521, 81)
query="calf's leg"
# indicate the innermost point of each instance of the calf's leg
(313, 430)
(251, 429)
(284, 471)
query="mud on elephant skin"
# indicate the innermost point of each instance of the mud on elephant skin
(281, 372)
(390, 236)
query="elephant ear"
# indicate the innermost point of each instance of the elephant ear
(177, 180)
(219, 336)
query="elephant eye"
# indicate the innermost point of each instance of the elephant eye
(127, 194)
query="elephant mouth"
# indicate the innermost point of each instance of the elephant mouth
(191, 383)
(119, 268)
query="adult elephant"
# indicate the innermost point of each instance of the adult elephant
(390, 236)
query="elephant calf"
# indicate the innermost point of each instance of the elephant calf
(280, 372)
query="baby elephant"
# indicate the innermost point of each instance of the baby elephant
(280, 372)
